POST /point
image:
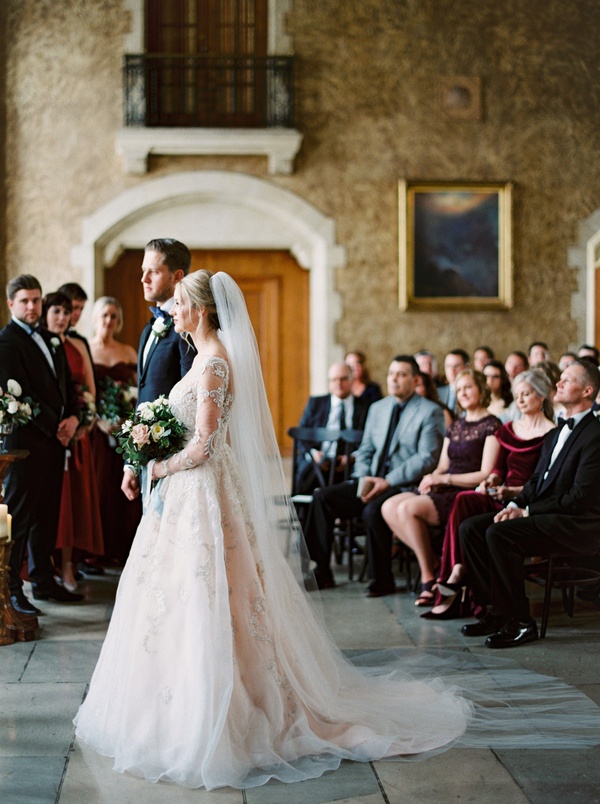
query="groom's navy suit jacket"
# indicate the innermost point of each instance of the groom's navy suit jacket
(566, 504)
(33, 485)
(169, 359)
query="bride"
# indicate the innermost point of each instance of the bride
(216, 670)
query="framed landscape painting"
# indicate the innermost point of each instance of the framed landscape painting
(455, 245)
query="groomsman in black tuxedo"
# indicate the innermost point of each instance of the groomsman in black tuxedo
(337, 410)
(164, 357)
(557, 511)
(33, 486)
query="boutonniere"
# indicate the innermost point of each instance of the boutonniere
(54, 343)
(161, 326)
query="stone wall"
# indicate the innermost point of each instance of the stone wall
(368, 72)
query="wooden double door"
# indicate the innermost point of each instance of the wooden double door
(276, 290)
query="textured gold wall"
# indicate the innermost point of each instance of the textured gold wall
(367, 75)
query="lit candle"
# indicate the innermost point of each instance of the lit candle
(9, 526)
(3, 521)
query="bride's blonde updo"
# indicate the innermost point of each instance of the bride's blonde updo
(196, 287)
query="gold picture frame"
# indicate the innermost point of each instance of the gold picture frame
(455, 245)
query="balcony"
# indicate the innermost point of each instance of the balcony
(190, 104)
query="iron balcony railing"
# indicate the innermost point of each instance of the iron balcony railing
(204, 91)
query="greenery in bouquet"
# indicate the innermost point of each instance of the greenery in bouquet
(116, 400)
(152, 432)
(15, 411)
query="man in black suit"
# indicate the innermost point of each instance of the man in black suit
(337, 410)
(33, 486)
(557, 511)
(164, 357)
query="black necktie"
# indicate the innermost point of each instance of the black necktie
(157, 312)
(340, 444)
(569, 422)
(383, 465)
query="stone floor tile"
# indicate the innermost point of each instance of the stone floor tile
(36, 719)
(62, 660)
(30, 780)
(352, 781)
(467, 775)
(554, 777)
(14, 659)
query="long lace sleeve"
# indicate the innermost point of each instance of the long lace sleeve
(211, 392)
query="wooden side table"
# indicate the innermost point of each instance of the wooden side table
(14, 626)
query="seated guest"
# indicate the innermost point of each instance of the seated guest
(363, 387)
(520, 443)
(402, 441)
(588, 350)
(566, 359)
(557, 511)
(499, 385)
(468, 456)
(481, 357)
(427, 363)
(454, 362)
(338, 410)
(516, 363)
(538, 353)
(552, 371)
(426, 387)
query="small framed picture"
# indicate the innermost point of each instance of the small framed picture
(455, 245)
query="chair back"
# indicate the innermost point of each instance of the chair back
(317, 435)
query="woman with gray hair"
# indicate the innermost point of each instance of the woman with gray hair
(520, 443)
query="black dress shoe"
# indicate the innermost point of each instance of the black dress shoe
(57, 593)
(490, 624)
(375, 590)
(513, 633)
(89, 569)
(21, 604)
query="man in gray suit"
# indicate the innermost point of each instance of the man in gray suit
(454, 362)
(402, 442)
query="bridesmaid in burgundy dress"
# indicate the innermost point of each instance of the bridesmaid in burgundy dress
(114, 363)
(468, 455)
(80, 525)
(520, 443)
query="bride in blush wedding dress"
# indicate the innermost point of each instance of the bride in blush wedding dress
(216, 669)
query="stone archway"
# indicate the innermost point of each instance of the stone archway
(223, 210)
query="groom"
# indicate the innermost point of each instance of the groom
(164, 357)
(33, 486)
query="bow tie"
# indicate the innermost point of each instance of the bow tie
(33, 330)
(569, 422)
(158, 313)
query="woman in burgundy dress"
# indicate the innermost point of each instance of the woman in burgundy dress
(80, 525)
(468, 455)
(115, 364)
(519, 443)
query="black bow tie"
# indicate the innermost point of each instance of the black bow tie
(33, 330)
(158, 313)
(569, 422)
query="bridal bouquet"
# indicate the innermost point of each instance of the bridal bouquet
(115, 400)
(14, 411)
(152, 432)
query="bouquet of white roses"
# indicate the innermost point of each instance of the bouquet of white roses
(151, 433)
(14, 411)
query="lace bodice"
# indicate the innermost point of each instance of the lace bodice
(202, 402)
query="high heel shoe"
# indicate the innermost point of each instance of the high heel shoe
(68, 579)
(446, 588)
(455, 610)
